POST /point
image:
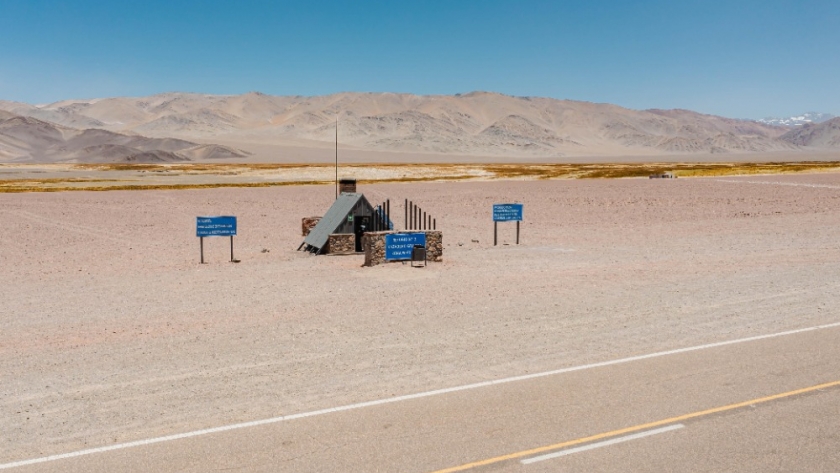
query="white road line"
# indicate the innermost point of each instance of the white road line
(775, 183)
(406, 397)
(605, 443)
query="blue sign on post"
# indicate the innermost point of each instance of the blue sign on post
(215, 226)
(398, 246)
(507, 212)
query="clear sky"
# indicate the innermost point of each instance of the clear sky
(737, 58)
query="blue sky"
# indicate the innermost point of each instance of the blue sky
(737, 58)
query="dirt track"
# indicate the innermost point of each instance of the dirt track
(110, 331)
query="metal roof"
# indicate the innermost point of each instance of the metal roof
(334, 217)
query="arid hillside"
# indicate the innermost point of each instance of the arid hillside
(27, 139)
(478, 123)
(823, 135)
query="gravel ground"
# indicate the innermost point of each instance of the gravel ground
(110, 330)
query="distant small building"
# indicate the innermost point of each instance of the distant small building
(664, 175)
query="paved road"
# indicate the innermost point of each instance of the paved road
(489, 428)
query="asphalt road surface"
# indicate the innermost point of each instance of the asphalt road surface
(761, 405)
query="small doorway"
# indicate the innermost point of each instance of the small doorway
(361, 224)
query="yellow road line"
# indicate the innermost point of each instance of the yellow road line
(636, 428)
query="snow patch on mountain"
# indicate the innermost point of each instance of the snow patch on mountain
(798, 120)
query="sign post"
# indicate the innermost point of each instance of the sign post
(398, 246)
(506, 213)
(215, 226)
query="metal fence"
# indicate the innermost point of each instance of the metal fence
(382, 217)
(417, 218)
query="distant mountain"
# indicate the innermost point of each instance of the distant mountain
(819, 135)
(799, 120)
(29, 139)
(477, 123)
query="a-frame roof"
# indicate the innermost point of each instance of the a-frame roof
(334, 217)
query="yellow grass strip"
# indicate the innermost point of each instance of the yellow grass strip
(146, 187)
(414, 172)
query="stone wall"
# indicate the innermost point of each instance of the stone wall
(434, 245)
(373, 244)
(341, 244)
(308, 223)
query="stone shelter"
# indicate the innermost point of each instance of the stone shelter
(340, 230)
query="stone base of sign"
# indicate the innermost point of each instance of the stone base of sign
(341, 244)
(373, 244)
(308, 223)
(434, 246)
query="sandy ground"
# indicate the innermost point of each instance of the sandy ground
(111, 331)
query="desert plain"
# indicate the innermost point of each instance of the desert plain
(111, 331)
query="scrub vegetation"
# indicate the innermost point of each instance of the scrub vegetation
(123, 176)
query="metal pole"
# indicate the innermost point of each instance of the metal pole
(406, 214)
(517, 232)
(231, 248)
(495, 233)
(388, 214)
(201, 240)
(336, 157)
(434, 224)
(424, 220)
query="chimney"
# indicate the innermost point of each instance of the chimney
(347, 185)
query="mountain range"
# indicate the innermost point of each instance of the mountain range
(185, 126)
(24, 138)
(798, 120)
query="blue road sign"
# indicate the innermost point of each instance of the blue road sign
(507, 212)
(215, 226)
(398, 246)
